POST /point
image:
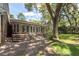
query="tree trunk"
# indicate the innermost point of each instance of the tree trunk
(54, 19)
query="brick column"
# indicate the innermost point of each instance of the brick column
(4, 19)
(40, 29)
(0, 28)
(32, 29)
(16, 28)
(20, 28)
(29, 28)
(35, 29)
(24, 28)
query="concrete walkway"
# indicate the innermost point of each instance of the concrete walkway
(26, 47)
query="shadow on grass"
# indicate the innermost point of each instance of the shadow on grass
(74, 49)
(65, 49)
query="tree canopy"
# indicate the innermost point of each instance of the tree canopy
(55, 15)
(21, 16)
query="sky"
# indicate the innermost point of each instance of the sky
(16, 8)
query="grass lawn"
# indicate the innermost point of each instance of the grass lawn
(69, 45)
(68, 36)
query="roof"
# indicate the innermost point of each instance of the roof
(24, 22)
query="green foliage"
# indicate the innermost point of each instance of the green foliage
(21, 16)
(29, 6)
(68, 17)
(49, 34)
(12, 16)
(36, 22)
(70, 14)
(68, 30)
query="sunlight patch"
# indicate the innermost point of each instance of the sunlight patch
(16, 45)
(62, 49)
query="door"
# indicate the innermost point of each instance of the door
(9, 30)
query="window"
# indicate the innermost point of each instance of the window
(27, 28)
(36, 29)
(23, 28)
(31, 28)
(17, 27)
(41, 29)
(14, 28)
